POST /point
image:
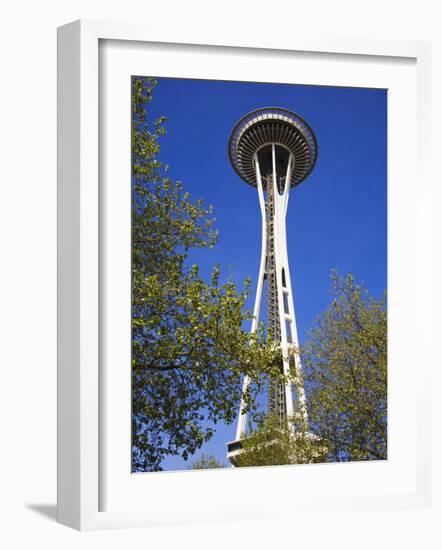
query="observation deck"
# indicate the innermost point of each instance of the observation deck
(257, 130)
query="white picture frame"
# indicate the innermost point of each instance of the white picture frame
(79, 328)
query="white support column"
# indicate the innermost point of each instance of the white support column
(242, 420)
(289, 338)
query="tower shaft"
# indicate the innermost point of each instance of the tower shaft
(276, 395)
(273, 193)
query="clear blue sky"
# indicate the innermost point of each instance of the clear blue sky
(337, 218)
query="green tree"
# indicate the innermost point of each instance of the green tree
(269, 445)
(345, 371)
(189, 350)
(206, 462)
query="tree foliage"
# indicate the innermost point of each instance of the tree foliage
(189, 350)
(270, 445)
(206, 462)
(345, 371)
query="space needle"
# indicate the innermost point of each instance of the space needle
(273, 150)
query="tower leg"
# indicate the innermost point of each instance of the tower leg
(242, 421)
(287, 321)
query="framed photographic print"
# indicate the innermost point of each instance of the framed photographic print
(222, 348)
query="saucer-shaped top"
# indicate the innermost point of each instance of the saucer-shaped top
(263, 127)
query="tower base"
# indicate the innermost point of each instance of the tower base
(234, 449)
(315, 453)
